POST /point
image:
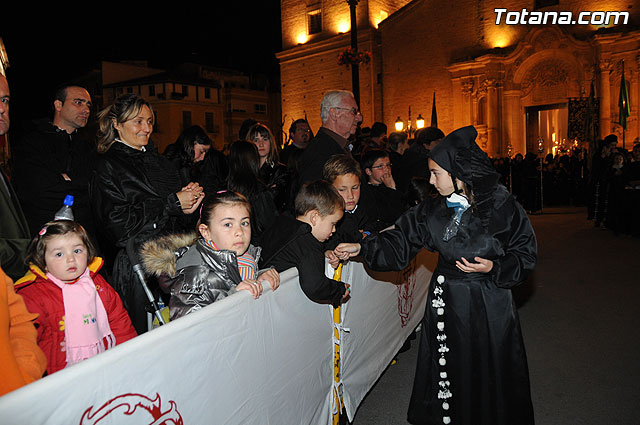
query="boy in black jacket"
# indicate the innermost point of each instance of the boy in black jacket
(344, 174)
(298, 242)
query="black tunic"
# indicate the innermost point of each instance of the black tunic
(472, 358)
(290, 243)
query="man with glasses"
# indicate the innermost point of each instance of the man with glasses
(340, 118)
(384, 203)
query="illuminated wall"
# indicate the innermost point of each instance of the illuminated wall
(481, 73)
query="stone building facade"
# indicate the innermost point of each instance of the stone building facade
(217, 100)
(515, 82)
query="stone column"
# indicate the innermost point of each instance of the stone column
(467, 101)
(493, 130)
(514, 123)
(605, 98)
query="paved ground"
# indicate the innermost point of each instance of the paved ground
(581, 323)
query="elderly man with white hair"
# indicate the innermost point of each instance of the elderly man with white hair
(340, 117)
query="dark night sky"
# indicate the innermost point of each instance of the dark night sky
(56, 46)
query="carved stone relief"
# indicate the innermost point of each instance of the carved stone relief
(548, 79)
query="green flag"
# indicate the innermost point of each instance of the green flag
(623, 101)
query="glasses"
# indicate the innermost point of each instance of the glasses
(381, 166)
(354, 111)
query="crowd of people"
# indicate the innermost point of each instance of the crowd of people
(204, 224)
(606, 181)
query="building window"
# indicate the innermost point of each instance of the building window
(208, 121)
(185, 90)
(314, 21)
(152, 90)
(259, 108)
(186, 119)
(207, 93)
(539, 4)
(129, 89)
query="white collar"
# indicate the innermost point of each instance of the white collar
(142, 148)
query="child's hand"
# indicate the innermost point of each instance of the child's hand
(347, 250)
(347, 293)
(271, 276)
(481, 265)
(250, 285)
(333, 259)
(387, 180)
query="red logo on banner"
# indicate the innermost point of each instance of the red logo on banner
(406, 283)
(134, 409)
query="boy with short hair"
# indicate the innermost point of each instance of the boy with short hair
(344, 174)
(298, 242)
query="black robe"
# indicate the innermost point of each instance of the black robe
(484, 378)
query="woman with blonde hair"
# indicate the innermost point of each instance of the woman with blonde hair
(136, 193)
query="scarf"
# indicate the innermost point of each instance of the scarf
(86, 325)
(247, 265)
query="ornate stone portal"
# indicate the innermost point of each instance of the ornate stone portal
(503, 92)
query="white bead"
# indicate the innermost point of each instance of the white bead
(440, 311)
(442, 361)
(440, 279)
(441, 326)
(445, 405)
(443, 375)
(446, 420)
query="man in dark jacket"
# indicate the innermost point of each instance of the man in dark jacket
(14, 232)
(299, 136)
(53, 159)
(340, 118)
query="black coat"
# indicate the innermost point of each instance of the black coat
(289, 243)
(132, 190)
(213, 171)
(470, 331)
(278, 179)
(134, 196)
(415, 163)
(322, 147)
(384, 205)
(40, 157)
(352, 225)
(14, 231)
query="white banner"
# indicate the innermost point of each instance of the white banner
(237, 361)
(379, 318)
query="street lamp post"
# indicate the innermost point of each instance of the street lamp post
(355, 74)
(541, 151)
